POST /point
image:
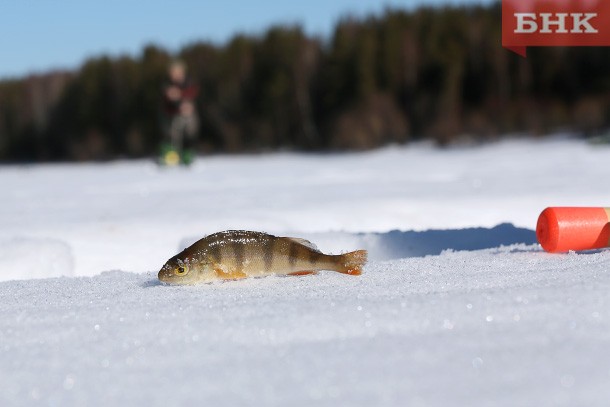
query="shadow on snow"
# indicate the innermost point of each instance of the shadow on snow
(399, 244)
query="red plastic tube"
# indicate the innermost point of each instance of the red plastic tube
(561, 229)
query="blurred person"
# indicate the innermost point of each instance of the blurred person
(181, 122)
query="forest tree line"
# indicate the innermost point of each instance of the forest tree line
(430, 73)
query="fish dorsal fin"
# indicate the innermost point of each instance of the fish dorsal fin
(304, 242)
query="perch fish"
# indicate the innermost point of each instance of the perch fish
(237, 254)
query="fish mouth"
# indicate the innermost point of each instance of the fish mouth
(165, 277)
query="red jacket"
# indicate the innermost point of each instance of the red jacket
(188, 93)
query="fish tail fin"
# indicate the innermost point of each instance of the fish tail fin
(352, 262)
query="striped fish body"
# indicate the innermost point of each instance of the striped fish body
(237, 254)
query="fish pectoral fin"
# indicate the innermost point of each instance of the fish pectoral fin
(229, 275)
(302, 273)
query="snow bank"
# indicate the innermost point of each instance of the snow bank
(22, 258)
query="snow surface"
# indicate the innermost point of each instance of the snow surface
(458, 305)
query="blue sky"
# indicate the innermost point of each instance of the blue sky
(38, 35)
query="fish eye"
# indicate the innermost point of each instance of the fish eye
(181, 270)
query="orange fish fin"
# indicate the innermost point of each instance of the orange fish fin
(302, 273)
(231, 275)
(351, 272)
(353, 262)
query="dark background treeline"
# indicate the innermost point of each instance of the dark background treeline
(437, 74)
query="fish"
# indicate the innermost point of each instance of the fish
(238, 254)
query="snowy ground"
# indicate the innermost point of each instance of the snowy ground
(458, 305)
